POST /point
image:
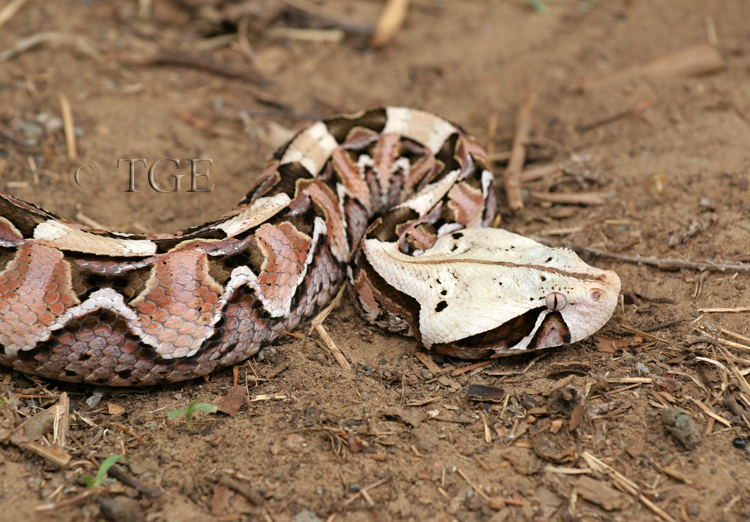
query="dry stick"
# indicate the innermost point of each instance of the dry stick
(582, 198)
(491, 131)
(252, 495)
(323, 315)
(10, 10)
(469, 367)
(366, 497)
(711, 414)
(77, 498)
(668, 263)
(390, 21)
(512, 177)
(70, 131)
(35, 40)
(540, 171)
(624, 483)
(306, 35)
(181, 59)
(315, 13)
(494, 502)
(635, 110)
(133, 482)
(335, 351)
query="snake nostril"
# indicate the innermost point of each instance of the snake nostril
(595, 295)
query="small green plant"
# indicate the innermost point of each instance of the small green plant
(538, 5)
(103, 469)
(194, 406)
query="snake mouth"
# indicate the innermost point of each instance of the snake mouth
(536, 329)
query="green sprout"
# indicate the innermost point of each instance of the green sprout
(192, 407)
(538, 5)
(103, 469)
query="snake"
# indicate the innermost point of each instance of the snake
(396, 203)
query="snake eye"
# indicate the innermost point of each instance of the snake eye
(556, 301)
(595, 295)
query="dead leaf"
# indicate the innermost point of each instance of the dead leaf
(600, 494)
(114, 409)
(608, 344)
(232, 401)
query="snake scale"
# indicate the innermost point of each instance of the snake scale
(392, 200)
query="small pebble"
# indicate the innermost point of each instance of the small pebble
(355, 488)
(740, 442)
(31, 128)
(426, 374)
(679, 423)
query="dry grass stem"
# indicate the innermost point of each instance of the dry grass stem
(391, 19)
(38, 39)
(512, 176)
(625, 484)
(323, 315)
(711, 414)
(582, 198)
(10, 10)
(335, 351)
(69, 127)
(306, 35)
(741, 309)
(668, 263)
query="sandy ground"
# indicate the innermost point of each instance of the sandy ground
(395, 437)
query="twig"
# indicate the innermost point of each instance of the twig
(252, 495)
(181, 59)
(635, 110)
(323, 315)
(494, 502)
(512, 177)
(582, 198)
(469, 367)
(649, 336)
(491, 131)
(335, 351)
(314, 12)
(76, 498)
(692, 61)
(35, 40)
(624, 483)
(306, 35)
(669, 263)
(366, 497)
(741, 309)
(10, 10)
(540, 171)
(390, 21)
(133, 482)
(708, 412)
(69, 126)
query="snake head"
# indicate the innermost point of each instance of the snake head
(488, 292)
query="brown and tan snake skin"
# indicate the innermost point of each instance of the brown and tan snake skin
(392, 197)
